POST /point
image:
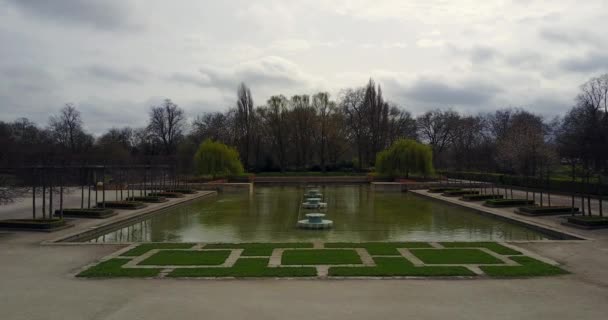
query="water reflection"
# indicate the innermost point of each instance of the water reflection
(358, 213)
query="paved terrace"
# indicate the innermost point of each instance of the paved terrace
(37, 283)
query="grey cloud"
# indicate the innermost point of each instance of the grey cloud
(438, 92)
(567, 37)
(266, 71)
(482, 54)
(111, 74)
(592, 62)
(102, 14)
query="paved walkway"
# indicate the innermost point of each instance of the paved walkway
(36, 283)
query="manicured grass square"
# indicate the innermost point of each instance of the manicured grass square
(320, 256)
(246, 267)
(496, 247)
(529, 267)
(112, 268)
(143, 248)
(186, 258)
(257, 249)
(454, 256)
(393, 266)
(379, 248)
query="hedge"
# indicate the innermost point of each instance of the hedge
(87, 212)
(455, 193)
(508, 202)
(129, 205)
(151, 199)
(589, 221)
(531, 182)
(443, 189)
(166, 194)
(539, 211)
(480, 197)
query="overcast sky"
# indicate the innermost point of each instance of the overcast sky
(115, 58)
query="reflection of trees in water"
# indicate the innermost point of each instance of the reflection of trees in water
(359, 214)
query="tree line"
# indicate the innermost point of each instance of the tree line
(320, 133)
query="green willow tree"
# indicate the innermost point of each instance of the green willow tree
(217, 159)
(405, 156)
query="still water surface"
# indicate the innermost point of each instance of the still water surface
(359, 214)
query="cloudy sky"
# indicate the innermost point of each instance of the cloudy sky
(115, 58)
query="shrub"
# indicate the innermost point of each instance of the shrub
(129, 205)
(508, 202)
(590, 221)
(547, 210)
(215, 158)
(152, 199)
(454, 193)
(166, 194)
(480, 197)
(86, 212)
(405, 156)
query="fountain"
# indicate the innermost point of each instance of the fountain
(315, 221)
(314, 203)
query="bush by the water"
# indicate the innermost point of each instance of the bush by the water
(405, 156)
(215, 159)
(509, 202)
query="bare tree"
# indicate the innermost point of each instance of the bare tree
(244, 123)
(275, 116)
(437, 128)
(66, 128)
(324, 109)
(167, 124)
(302, 118)
(351, 103)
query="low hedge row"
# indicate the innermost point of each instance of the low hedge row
(455, 193)
(150, 199)
(547, 210)
(531, 182)
(184, 191)
(589, 221)
(128, 205)
(443, 189)
(166, 194)
(508, 202)
(481, 197)
(86, 212)
(38, 224)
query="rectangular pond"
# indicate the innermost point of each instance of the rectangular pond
(270, 214)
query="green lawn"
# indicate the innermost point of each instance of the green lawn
(298, 260)
(186, 258)
(112, 268)
(394, 266)
(454, 256)
(323, 256)
(257, 249)
(379, 248)
(529, 268)
(143, 248)
(496, 247)
(247, 267)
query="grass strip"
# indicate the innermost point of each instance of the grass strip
(257, 249)
(393, 267)
(379, 248)
(529, 268)
(186, 258)
(143, 248)
(496, 247)
(246, 267)
(113, 268)
(320, 256)
(454, 256)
